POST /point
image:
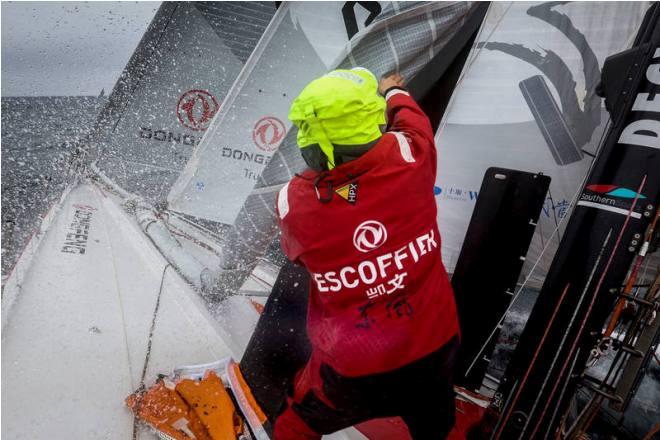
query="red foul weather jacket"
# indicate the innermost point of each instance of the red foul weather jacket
(380, 296)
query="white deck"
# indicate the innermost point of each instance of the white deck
(75, 340)
(76, 326)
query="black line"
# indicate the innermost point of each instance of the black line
(141, 387)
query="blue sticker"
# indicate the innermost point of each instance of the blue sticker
(625, 193)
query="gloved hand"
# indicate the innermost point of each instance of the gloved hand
(389, 81)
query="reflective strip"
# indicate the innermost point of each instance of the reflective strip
(404, 146)
(609, 208)
(362, 69)
(283, 201)
(393, 92)
(357, 79)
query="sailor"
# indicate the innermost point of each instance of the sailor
(362, 220)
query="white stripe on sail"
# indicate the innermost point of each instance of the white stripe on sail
(609, 208)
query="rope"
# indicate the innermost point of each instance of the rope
(587, 314)
(193, 223)
(178, 232)
(147, 356)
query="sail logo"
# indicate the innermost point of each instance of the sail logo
(641, 129)
(615, 191)
(567, 125)
(455, 194)
(268, 133)
(168, 136)
(351, 22)
(233, 153)
(369, 235)
(613, 198)
(196, 108)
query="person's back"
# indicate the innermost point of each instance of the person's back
(380, 299)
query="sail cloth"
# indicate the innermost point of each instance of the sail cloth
(303, 41)
(403, 39)
(527, 101)
(173, 86)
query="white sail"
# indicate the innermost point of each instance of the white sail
(303, 41)
(527, 101)
(252, 121)
(402, 37)
(160, 108)
(172, 89)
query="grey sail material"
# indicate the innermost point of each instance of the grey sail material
(162, 105)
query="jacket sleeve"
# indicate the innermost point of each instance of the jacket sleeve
(288, 242)
(404, 115)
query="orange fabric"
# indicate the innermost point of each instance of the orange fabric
(164, 410)
(212, 404)
(257, 306)
(248, 395)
